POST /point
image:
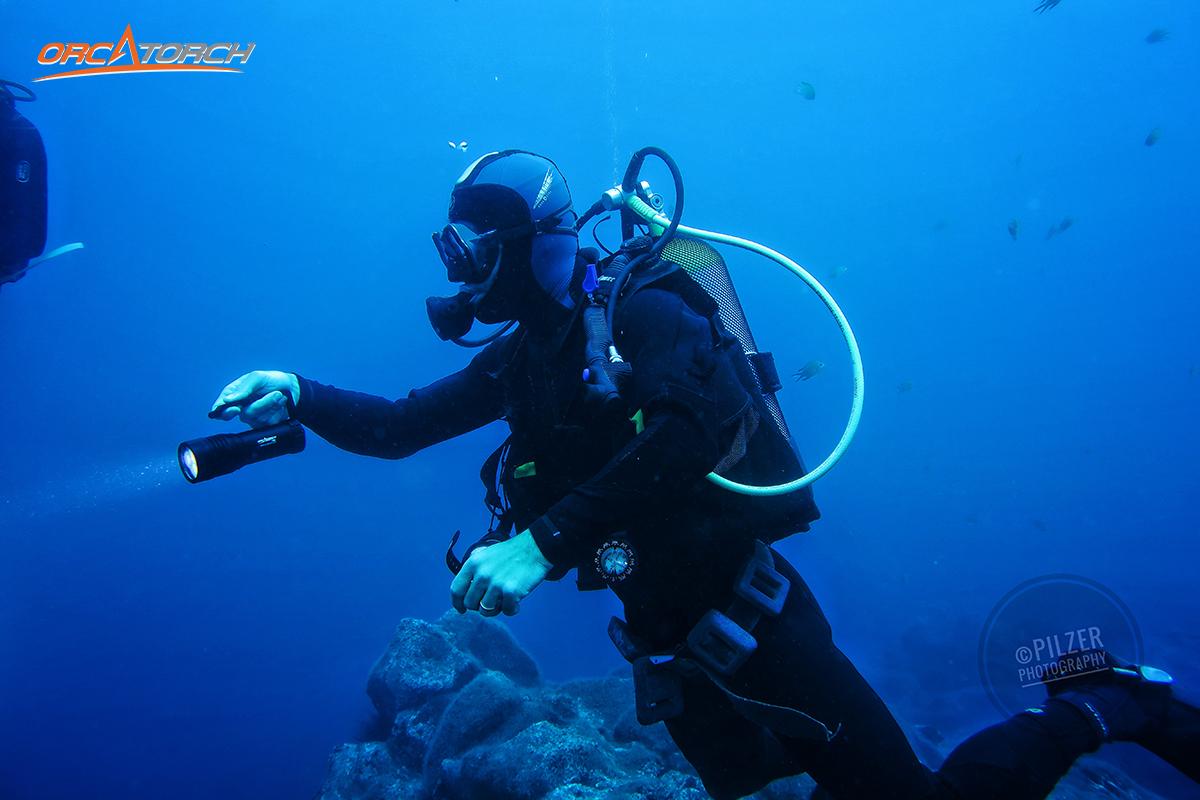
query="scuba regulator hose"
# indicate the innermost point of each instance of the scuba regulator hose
(640, 208)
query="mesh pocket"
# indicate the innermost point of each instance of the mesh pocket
(705, 266)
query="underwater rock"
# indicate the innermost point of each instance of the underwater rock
(420, 661)
(413, 731)
(1093, 777)
(367, 771)
(532, 764)
(471, 719)
(492, 645)
(488, 707)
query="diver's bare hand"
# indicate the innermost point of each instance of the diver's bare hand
(497, 578)
(257, 398)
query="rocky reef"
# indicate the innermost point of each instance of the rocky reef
(468, 716)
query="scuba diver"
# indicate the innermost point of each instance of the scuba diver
(729, 647)
(22, 186)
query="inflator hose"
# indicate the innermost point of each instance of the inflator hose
(643, 210)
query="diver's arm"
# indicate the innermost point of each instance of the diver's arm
(375, 426)
(688, 391)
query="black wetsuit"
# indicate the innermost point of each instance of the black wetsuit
(595, 477)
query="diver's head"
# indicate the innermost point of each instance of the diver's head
(510, 243)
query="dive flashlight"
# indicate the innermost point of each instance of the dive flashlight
(214, 456)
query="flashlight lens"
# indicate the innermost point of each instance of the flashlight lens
(187, 460)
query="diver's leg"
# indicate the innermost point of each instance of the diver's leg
(1021, 758)
(798, 665)
(1025, 756)
(733, 756)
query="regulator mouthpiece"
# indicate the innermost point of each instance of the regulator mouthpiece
(214, 456)
(451, 317)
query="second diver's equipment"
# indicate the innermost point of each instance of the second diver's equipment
(22, 182)
(214, 456)
(23, 208)
(688, 248)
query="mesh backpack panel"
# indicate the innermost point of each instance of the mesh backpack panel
(706, 267)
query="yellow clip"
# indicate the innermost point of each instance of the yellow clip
(639, 423)
(526, 470)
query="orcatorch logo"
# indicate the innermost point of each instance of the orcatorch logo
(126, 55)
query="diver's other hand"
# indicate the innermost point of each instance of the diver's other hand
(257, 398)
(498, 577)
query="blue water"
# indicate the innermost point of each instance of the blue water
(1030, 403)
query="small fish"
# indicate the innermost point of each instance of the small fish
(458, 145)
(1152, 137)
(1061, 227)
(452, 145)
(1014, 228)
(1157, 35)
(1046, 5)
(904, 387)
(808, 370)
(838, 272)
(807, 91)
